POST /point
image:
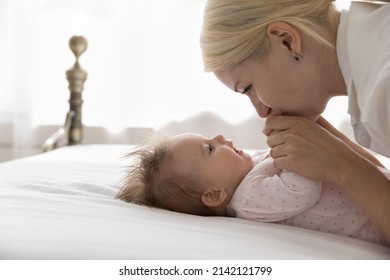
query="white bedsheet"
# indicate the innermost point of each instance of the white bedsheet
(60, 205)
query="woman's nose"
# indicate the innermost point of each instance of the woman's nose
(262, 110)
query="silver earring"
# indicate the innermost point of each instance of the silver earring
(297, 56)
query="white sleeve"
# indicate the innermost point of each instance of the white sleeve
(369, 92)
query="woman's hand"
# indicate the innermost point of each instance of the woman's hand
(307, 148)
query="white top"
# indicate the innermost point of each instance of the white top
(363, 47)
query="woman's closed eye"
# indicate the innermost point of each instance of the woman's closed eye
(247, 90)
(211, 148)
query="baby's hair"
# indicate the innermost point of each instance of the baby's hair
(155, 179)
(146, 160)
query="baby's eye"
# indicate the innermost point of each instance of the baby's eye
(211, 148)
(247, 90)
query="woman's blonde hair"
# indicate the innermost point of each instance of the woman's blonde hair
(155, 179)
(233, 30)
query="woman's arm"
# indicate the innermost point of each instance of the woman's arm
(309, 149)
(356, 147)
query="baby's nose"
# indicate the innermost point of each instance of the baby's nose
(220, 139)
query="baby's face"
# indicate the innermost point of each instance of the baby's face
(216, 160)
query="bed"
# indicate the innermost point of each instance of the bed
(60, 205)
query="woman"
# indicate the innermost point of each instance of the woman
(290, 57)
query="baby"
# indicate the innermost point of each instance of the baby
(192, 174)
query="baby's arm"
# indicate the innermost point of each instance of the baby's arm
(271, 195)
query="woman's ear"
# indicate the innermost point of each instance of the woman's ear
(282, 34)
(214, 197)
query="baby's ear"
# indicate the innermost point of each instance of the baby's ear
(214, 197)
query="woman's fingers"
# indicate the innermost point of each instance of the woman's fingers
(302, 146)
(275, 139)
(275, 123)
(277, 151)
(280, 123)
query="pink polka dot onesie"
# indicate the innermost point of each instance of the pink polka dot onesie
(269, 195)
